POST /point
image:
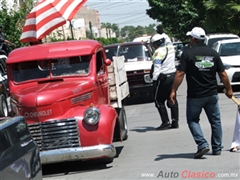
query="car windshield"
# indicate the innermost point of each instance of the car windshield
(229, 49)
(135, 53)
(69, 66)
(110, 52)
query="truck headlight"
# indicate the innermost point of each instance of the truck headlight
(92, 115)
(147, 78)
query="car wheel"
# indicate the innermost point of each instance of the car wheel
(3, 106)
(121, 128)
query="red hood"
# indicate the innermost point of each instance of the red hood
(51, 92)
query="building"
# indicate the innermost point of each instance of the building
(92, 20)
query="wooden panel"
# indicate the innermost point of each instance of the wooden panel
(112, 80)
(113, 93)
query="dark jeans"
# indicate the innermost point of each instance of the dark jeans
(211, 108)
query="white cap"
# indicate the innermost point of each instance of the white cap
(197, 33)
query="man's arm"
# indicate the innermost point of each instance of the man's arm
(3, 38)
(177, 81)
(224, 78)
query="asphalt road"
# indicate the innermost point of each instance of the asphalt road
(150, 154)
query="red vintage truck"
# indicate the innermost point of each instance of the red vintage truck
(72, 98)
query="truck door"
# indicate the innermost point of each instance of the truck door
(102, 79)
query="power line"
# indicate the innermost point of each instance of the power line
(121, 11)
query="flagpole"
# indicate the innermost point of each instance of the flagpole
(63, 34)
(71, 29)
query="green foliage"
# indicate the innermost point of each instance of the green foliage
(128, 33)
(177, 16)
(13, 19)
(107, 41)
(222, 16)
(180, 16)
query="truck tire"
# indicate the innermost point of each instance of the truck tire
(121, 128)
(3, 106)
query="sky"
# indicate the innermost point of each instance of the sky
(122, 12)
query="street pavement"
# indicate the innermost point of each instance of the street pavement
(150, 154)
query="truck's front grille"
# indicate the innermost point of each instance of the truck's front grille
(135, 77)
(55, 134)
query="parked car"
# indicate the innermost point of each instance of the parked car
(138, 61)
(184, 46)
(19, 153)
(177, 47)
(71, 96)
(229, 51)
(210, 39)
(142, 39)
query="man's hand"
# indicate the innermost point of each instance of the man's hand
(172, 97)
(228, 93)
(224, 78)
(7, 41)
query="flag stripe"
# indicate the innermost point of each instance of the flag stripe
(47, 15)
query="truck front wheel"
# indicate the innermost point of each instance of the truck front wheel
(121, 129)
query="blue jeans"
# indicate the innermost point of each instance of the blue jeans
(194, 109)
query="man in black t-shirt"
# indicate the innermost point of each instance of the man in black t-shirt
(200, 63)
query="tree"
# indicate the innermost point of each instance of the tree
(107, 26)
(177, 16)
(180, 16)
(115, 29)
(222, 16)
(13, 19)
(151, 29)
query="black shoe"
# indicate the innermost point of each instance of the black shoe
(201, 152)
(216, 153)
(164, 126)
(174, 124)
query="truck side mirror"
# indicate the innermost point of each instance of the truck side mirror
(108, 62)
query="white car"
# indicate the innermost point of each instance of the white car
(229, 51)
(210, 39)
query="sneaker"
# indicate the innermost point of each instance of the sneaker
(201, 152)
(216, 153)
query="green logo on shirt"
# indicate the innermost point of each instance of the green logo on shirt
(204, 61)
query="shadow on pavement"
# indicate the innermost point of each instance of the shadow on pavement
(180, 155)
(118, 151)
(66, 168)
(138, 100)
(142, 129)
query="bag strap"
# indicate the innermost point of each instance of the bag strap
(165, 55)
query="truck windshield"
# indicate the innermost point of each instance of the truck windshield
(135, 53)
(69, 66)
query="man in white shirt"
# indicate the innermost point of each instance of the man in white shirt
(163, 73)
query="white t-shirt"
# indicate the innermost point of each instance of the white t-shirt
(168, 65)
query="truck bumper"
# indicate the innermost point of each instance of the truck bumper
(141, 90)
(79, 153)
